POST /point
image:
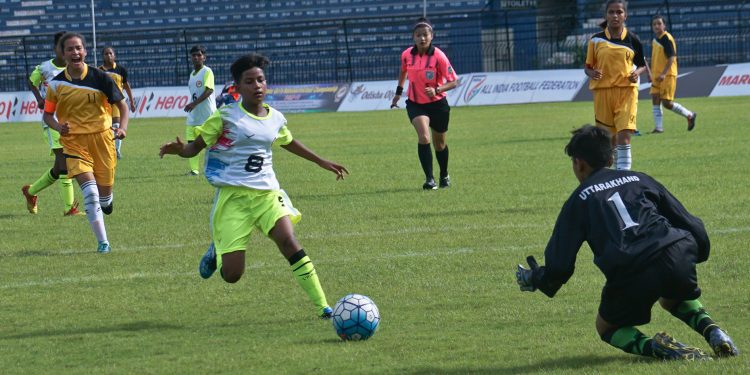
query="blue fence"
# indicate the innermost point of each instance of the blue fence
(314, 41)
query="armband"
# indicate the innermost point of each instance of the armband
(399, 90)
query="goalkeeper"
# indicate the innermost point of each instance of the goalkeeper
(644, 241)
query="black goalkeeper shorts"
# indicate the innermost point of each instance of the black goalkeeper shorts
(439, 113)
(671, 276)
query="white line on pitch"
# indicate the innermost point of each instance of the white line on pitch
(256, 265)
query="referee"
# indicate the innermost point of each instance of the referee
(430, 75)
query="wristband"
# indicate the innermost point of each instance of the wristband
(399, 90)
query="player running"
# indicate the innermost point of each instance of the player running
(430, 75)
(38, 81)
(663, 86)
(239, 164)
(644, 241)
(609, 65)
(201, 86)
(119, 74)
(81, 97)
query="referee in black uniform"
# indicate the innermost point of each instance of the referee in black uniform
(644, 241)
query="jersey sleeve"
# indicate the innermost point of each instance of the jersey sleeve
(445, 69)
(284, 137)
(562, 249)
(403, 61)
(208, 79)
(110, 89)
(36, 76)
(590, 57)
(639, 60)
(667, 45)
(679, 217)
(124, 75)
(50, 99)
(211, 129)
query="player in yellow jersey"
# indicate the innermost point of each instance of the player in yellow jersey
(610, 60)
(120, 75)
(38, 81)
(81, 97)
(663, 76)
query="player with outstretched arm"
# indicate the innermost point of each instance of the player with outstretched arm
(239, 164)
(644, 241)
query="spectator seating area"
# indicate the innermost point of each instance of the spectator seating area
(311, 41)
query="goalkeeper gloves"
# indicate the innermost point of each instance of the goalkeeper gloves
(525, 276)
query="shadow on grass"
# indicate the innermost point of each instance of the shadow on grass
(582, 362)
(124, 327)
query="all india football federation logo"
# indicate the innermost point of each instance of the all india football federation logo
(429, 74)
(474, 87)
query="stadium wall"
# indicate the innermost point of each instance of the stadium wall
(473, 89)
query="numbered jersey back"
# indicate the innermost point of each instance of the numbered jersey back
(242, 154)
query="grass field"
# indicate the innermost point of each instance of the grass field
(439, 264)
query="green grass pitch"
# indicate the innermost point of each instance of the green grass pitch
(439, 264)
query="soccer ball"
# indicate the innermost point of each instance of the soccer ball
(355, 317)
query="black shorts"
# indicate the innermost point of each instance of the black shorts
(670, 276)
(439, 113)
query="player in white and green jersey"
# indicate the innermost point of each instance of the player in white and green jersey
(239, 164)
(202, 105)
(42, 74)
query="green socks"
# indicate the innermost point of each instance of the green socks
(630, 340)
(693, 314)
(43, 182)
(66, 192)
(66, 187)
(305, 274)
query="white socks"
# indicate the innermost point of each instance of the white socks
(658, 118)
(106, 201)
(624, 159)
(680, 110)
(94, 210)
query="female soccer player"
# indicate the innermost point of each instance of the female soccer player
(609, 63)
(120, 75)
(38, 81)
(664, 63)
(239, 164)
(430, 75)
(201, 86)
(81, 99)
(644, 241)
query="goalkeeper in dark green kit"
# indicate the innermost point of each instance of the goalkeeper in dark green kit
(644, 241)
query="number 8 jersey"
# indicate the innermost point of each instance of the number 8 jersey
(240, 146)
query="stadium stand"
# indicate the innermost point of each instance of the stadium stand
(311, 41)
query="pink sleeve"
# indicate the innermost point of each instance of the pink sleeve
(445, 69)
(403, 59)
